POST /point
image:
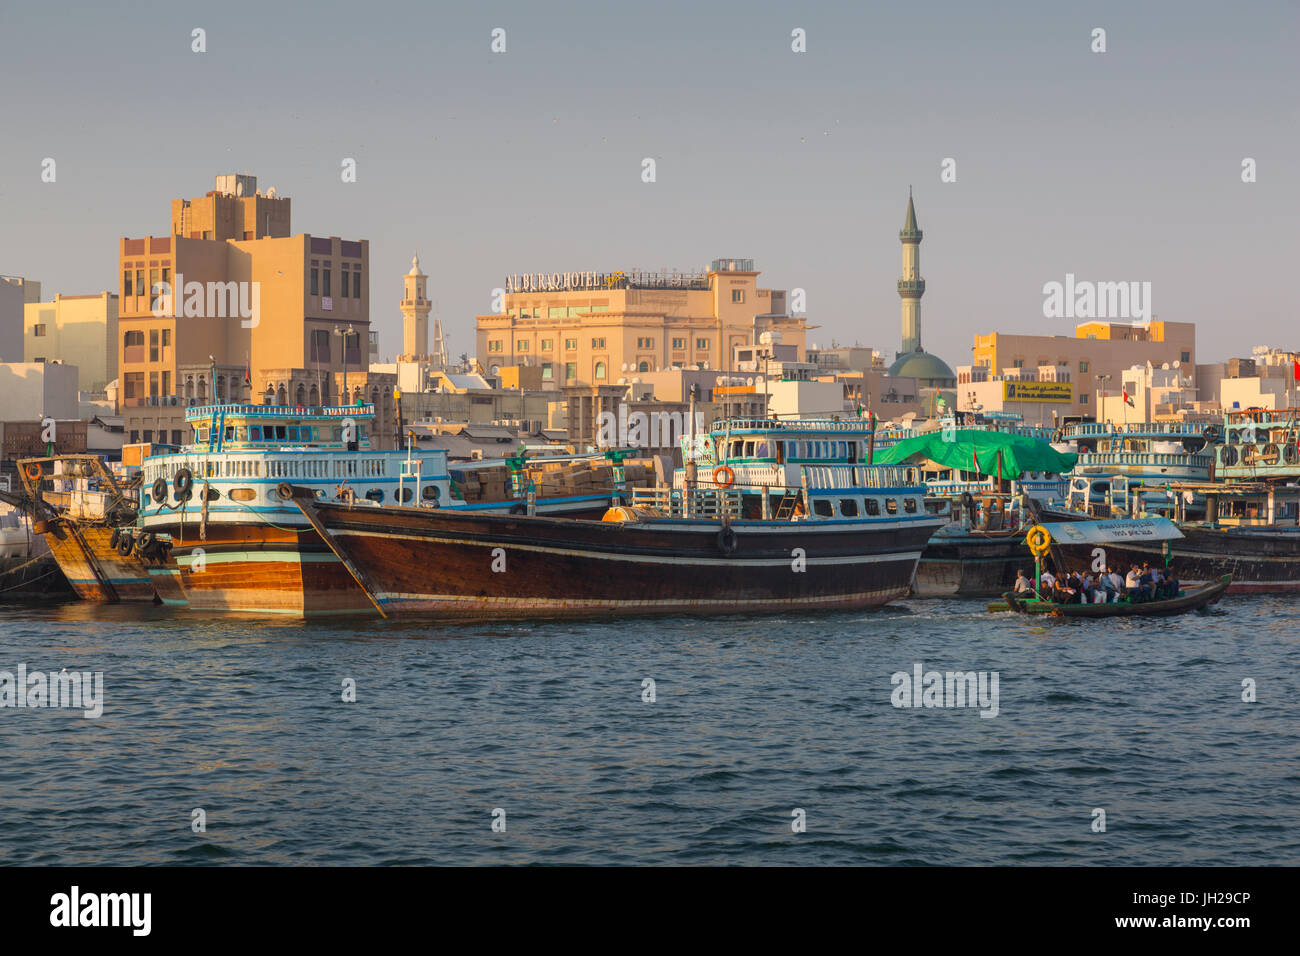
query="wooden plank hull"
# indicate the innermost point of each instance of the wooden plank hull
(93, 568)
(450, 565)
(259, 569)
(970, 566)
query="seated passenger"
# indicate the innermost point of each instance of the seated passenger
(1023, 583)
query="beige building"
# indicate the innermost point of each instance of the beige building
(78, 330)
(1043, 395)
(1094, 358)
(415, 314)
(590, 328)
(1157, 392)
(247, 294)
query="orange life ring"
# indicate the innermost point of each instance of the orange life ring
(33, 471)
(731, 476)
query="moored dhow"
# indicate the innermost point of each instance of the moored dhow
(763, 517)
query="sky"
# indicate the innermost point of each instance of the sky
(1123, 165)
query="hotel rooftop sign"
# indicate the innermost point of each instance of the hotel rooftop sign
(596, 281)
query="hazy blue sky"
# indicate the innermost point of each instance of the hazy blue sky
(1117, 166)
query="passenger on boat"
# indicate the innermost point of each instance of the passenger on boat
(1171, 585)
(1110, 583)
(1048, 580)
(1116, 583)
(1023, 583)
(1134, 586)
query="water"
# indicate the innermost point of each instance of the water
(753, 718)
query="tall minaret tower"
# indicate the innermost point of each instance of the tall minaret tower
(911, 286)
(415, 313)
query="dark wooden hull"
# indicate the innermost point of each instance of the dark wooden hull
(1190, 600)
(92, 566)
(1260, 562)
(441, 564)
(970, 566)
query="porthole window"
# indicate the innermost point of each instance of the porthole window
(405, 495)
(431, 493)
(242, 494)
(822, 508)
(375, 494)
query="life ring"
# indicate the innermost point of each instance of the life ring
(33, 471)
(723, 469)
(124, 543)
(1039, 540)
(183, 481)
(727, 540)
(159, 491)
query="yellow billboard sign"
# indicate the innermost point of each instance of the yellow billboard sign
(1037, 392)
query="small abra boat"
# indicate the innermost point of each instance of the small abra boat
(1191, 599)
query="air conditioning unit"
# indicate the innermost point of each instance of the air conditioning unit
(476, 454)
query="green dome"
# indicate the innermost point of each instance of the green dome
(929, 369)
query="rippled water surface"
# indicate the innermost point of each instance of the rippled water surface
(753, 718)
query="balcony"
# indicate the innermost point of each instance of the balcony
(911, 288)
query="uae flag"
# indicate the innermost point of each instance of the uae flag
(1128, 399)
(1295, 371)
(248, 375)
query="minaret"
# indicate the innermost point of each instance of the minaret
(415, 314)
(911, 286)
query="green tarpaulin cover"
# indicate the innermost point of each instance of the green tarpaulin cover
(963, 447)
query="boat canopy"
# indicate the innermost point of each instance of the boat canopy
(1113, 532)
(970, 449)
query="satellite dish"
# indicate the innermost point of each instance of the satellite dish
(625, 366)
(749, 381)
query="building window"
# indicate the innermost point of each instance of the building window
(645, 343)
(548, 345)
(701, 343)
(1083, 398)
(548, 372)
(679, 343)
(570, 371)
(356, 284)
(38, 330)
(494, 345)
(570, 345)
(521, 345)
(1083, 366)
(597, 343)
(1186, 356)
(135, 437)
(600, 371)
(126, 282)
(153, 346)
(1017, 363)
(320, 345)
(643, 367)
(737, 295)
(139, 282)
(343, 284)
(133, 339)
(326, 285)
(166, 382)
(315, 281)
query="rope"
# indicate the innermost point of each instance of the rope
(26, 583)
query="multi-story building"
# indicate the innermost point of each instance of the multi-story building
(78, 330)
(1095, 357)
(1154, 393)
(590, 329)
(15, 293)
(232, 287)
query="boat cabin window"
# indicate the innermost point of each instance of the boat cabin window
(749, 449)
(822, 508)
(255, 433)
(404, 495)
(230, 433)
(760, 449)
(848, 508)
(853, 451)
(891, 506)
(241, 433)
(375, 494)
(872, 506)
(293, 433)
(909, 505)
(200, 434)
(242, 494)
